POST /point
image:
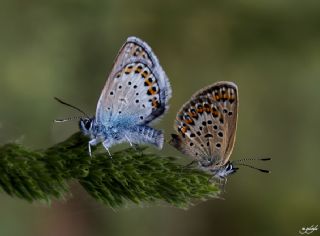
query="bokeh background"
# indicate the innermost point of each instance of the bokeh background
(271, 49)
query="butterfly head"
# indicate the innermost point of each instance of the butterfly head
(224, 171)
(86, 125)
(229, 168)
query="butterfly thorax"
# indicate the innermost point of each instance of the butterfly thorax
(95, 129)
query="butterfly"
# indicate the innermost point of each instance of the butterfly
(206, 128)
(136, 93)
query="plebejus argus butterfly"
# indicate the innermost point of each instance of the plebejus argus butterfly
(206, 127)
(136, 92)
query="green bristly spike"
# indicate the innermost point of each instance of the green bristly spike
(132, 175)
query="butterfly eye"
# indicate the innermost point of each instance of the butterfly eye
(229, 167)
(87, 124)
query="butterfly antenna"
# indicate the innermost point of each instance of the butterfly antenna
(253, 167)
(69, 105)
(67, 119)
(252, 159)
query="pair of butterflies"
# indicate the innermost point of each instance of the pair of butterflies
(137, 92)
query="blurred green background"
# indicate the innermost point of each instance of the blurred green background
(271, 49)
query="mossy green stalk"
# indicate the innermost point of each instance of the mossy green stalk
(132, 175)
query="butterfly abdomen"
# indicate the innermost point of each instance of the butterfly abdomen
(146, 134)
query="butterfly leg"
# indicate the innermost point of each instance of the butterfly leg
(222, 183)
(92, 142)
(211, 179)
(89, 147)
(190, 164)
(133, 145)
(129, 141)
(187, 166)
(106, 146)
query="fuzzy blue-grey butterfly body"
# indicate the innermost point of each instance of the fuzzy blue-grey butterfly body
(136, 93)
(206, 128)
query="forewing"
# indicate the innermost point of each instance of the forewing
(137, 86)
(206, 125)
(133, 48)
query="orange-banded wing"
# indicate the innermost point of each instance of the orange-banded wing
(137, 86)
(206, 124)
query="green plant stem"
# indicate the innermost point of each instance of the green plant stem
(131, 175)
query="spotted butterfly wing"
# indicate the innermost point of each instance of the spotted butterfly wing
(206, 125)
(137, 88)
